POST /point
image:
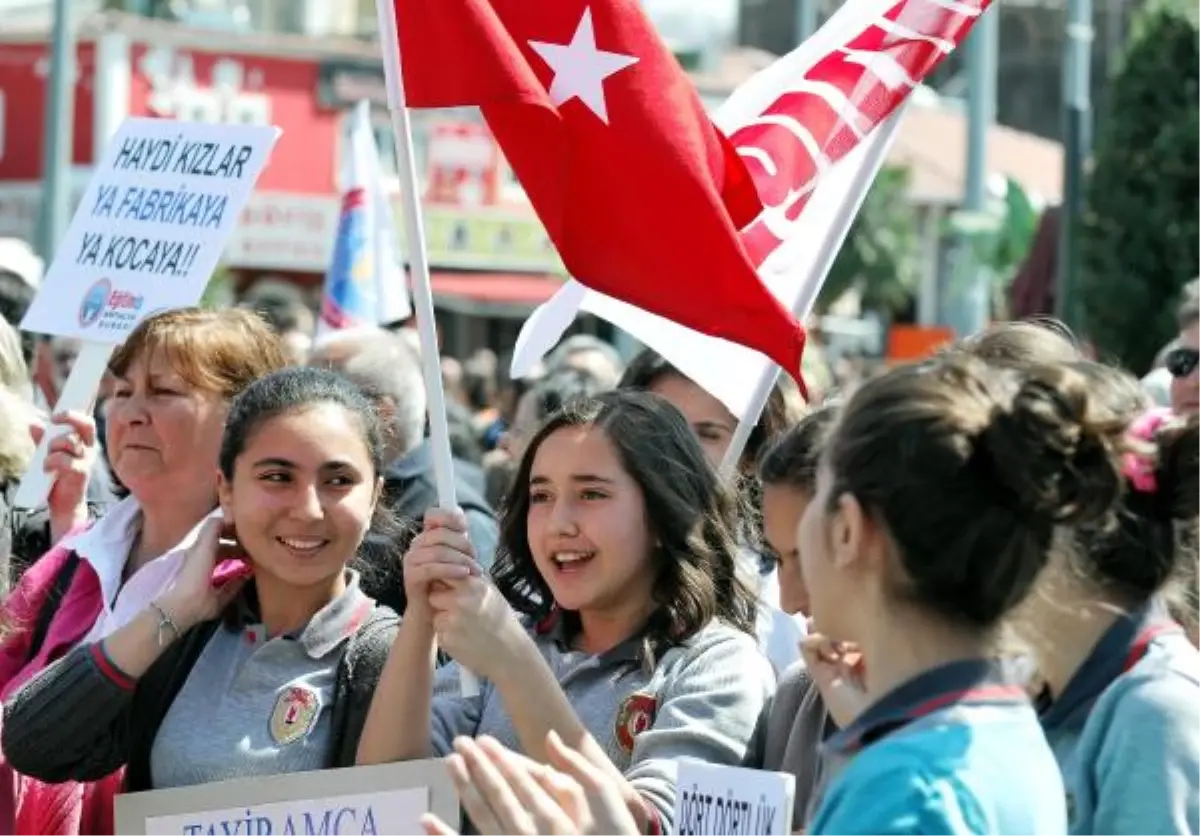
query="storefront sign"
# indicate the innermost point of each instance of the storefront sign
(488, 238)
(341, 84)
(278, 231)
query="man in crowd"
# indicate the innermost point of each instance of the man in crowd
(384, 365)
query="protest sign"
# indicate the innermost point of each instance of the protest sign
(145, 238)
(390, 798)
(151, 226)
(731, 801)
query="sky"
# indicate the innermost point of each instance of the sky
(690, 23)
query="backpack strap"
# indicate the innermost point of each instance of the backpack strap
(58, 590)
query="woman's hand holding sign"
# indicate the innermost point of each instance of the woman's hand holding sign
(70, 458)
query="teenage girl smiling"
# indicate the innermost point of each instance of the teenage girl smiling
(616, 620)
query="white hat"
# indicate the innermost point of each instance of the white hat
(18, 257)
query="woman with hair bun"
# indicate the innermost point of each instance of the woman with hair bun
(1121, 706)
(938, 495)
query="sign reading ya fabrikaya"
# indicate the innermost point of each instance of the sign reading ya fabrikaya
(151, 226)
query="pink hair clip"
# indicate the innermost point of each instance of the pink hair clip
(1139, 469)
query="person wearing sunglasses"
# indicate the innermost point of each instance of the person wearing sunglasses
(1173, 381)
(1181, 362)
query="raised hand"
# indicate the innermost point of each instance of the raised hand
(195, 596)
(439, 555)
(837, 669)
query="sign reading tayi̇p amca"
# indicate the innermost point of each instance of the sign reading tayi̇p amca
(728, 800)
(151, 226)
(390, 798)
(396, 811)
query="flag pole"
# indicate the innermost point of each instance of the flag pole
(439, 429)
(805, 300)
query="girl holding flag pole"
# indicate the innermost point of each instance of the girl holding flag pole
(616, 618)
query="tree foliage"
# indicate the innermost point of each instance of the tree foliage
(1140, 231)
(880, 256)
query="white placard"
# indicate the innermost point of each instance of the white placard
(728, 800)
(397, 811)
(151, 226)
(390, 798)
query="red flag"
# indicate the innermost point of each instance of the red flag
(641, 194)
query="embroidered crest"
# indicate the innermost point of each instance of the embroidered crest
(295, 714)
(634, 717)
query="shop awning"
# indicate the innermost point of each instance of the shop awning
(492, 294)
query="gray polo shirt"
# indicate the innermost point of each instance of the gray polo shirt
(255, 705)
(701, 701)
(791, 730)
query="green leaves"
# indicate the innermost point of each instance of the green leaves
(1140, 233)
(881, 253)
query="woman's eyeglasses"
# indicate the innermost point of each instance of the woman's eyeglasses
(1181, 362)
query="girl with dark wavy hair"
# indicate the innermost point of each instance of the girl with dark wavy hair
(616, 620)
(940, 490)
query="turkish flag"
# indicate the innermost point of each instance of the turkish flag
(642, 196)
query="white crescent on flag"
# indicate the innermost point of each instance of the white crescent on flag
(813, 128)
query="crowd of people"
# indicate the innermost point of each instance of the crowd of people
(960, 598)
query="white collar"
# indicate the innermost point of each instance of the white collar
(107, 543)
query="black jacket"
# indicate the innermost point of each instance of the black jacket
(57, 729)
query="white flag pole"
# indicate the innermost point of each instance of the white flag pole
(829, 247)
(439, 430)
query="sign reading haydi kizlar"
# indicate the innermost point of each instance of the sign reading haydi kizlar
(151, 226)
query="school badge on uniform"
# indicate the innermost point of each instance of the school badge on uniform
(296, 712)
(634, 717)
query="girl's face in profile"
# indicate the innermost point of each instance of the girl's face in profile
(830, 539)
(712, 423)
(782, 508)
(587, 525)
(302, 494)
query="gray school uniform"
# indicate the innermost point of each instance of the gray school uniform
(222, 702)
(701, 701)
(793, 725)
(1126, 730)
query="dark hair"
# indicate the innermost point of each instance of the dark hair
(479, 384)
(1013, 344)
(281, 313)
(690, 513)
(648, 367)
(290, 390)
(970, 468)
(793, 458)
(16, 295)
(1153, 537)
(562, 386)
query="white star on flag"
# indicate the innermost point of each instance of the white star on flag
(580, 69)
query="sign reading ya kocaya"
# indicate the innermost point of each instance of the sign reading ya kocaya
(151, 226)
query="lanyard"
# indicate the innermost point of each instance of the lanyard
(1141, 642)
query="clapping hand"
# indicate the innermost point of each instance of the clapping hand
(504, 792)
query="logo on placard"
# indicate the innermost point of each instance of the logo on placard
(110, 308)
(634, 717)
(295, 714)
(94, 302)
